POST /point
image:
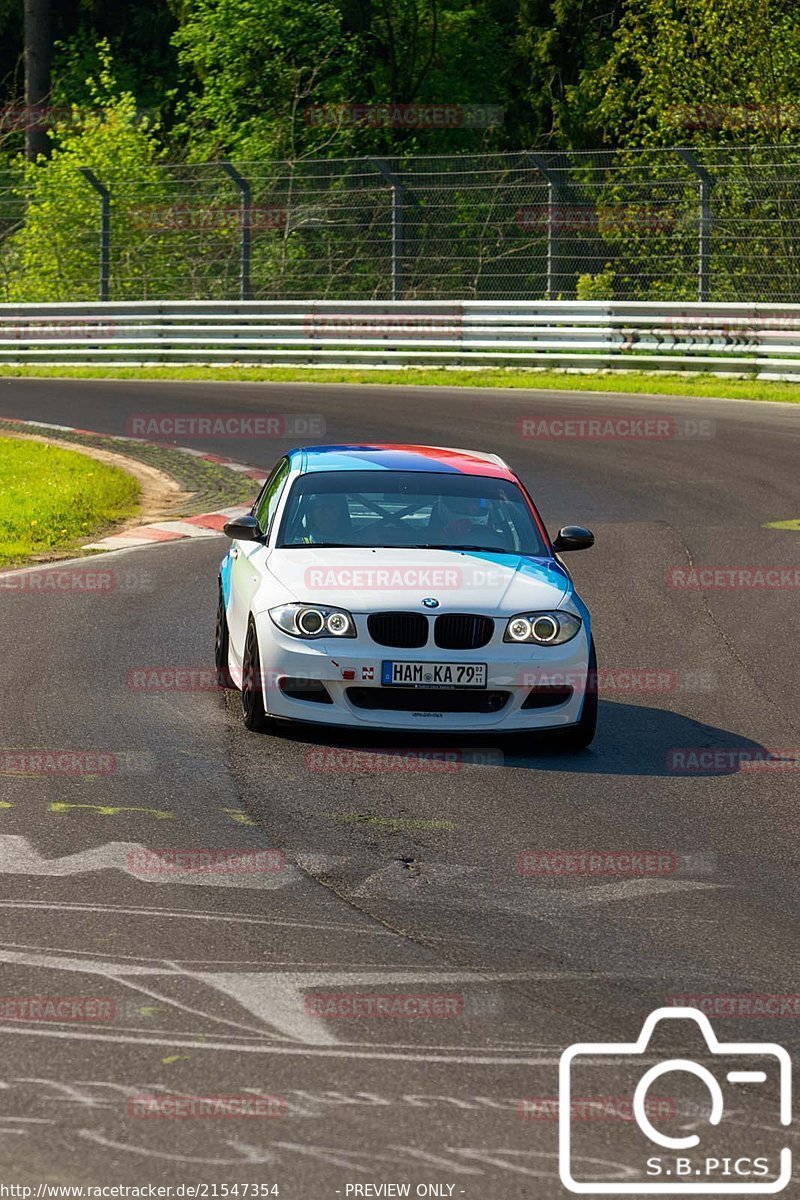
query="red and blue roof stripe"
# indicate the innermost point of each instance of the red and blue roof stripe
(386, 457)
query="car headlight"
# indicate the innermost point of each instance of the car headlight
(542, 628)
(313, 620)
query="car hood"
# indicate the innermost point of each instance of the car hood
(363, 579)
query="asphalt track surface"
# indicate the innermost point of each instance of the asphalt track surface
(209, 974)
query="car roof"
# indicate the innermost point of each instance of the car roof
(387, 457)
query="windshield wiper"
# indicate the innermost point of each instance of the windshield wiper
(442, 546)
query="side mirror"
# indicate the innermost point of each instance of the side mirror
(573, 537)
(244, 529)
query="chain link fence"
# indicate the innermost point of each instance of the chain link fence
(672, 224)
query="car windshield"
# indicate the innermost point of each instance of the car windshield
(409, 509)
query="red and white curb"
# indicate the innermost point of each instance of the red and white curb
(203, 525)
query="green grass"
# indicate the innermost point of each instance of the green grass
(635, 382)
(54, 500)
(211, 486)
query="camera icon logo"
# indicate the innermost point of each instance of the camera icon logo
(662, 1163)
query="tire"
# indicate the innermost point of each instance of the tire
(222, 645)
(579, 736)
(254, 713)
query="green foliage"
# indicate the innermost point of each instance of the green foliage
(271, 76)
(268, 83)
(55, 253)
(447, 52)
(241, 78)
(557, 44)
(597, 287)
(139, 34)
(258, 64)
(703, 72)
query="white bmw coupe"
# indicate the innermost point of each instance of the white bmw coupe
(404, 588)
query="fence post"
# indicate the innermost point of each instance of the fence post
(398, 231)
(105, 230)
(706, 220)
(246, 193)
(551, 240)
(555, 190)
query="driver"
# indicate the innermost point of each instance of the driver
(461, 519)
(328, 519)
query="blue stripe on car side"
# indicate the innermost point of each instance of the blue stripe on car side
(546, 570)
(225, 575)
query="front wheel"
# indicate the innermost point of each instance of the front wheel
(222, 645)
(579, 736)
(254, 713)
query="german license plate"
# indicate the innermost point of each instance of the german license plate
(433, 674)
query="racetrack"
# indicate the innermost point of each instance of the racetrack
(400, 881)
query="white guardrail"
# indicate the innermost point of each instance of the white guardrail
(757, 340)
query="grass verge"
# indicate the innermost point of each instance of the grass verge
(53, 499)
(633, 382)
(211, 485)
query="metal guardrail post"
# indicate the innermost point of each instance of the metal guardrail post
(105, 230)
(245, 250)
(398, 230)
(706, 221)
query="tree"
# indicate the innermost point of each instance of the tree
(38, 54)
(557, 43)
(705, 72)
(54, 255)
(257, 65)
(274, 78)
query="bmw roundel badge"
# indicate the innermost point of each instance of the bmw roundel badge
(431, 602)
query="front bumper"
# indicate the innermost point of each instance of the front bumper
(350, 670)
